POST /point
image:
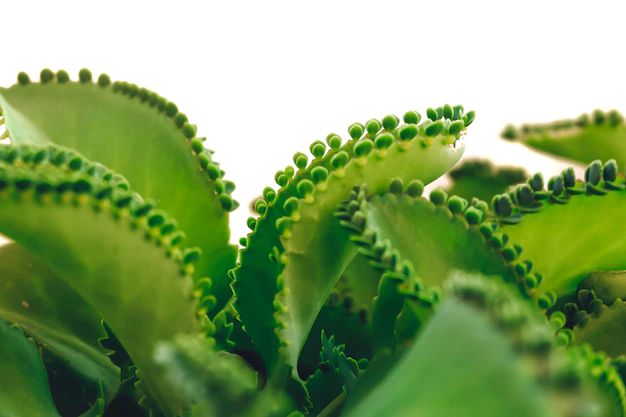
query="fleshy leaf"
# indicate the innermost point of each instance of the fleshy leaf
(589, 137)
(415, 243)
(438, 376)
(218, 383)
(334, 356)
(108, 245)
(484, 328)
(359, 283)
(324, 386)
(606, 285)
(145, 138)
(604, 330)
(569, 230)
(24, 389)
(45, 307)
(349, 326)
(297, 250)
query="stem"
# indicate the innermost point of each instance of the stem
(333, 409)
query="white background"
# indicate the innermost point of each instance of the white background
(264, 79)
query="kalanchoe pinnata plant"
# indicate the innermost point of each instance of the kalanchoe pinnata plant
(356, 292)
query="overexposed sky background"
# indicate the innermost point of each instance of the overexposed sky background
(264, 79)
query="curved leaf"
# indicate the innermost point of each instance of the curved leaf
(24, 389)
(141, 136)
(604, 330)
(589, 137)
(45, 307)
(438, 376)
(297, 251)
(484, 328)
(414, 243)
(218, 383)
(122, 257)
(347, 325)
(569, 230)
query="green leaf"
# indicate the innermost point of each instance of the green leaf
(606, 285)
(359, 282)
(349, 327)
(415, 244)
(101, 244)
(318, 250)
(324, 386)
(474, 358)
(297, 250)
(142, 140)
(459, 366)
(45, 306)
(431, 237)
(24, 389)
(577, 140)
(572, 233)
(604, 330)
(334, 356)
(218, 383)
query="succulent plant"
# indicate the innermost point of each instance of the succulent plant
(354, 294)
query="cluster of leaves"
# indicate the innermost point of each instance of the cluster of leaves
(354, 294)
